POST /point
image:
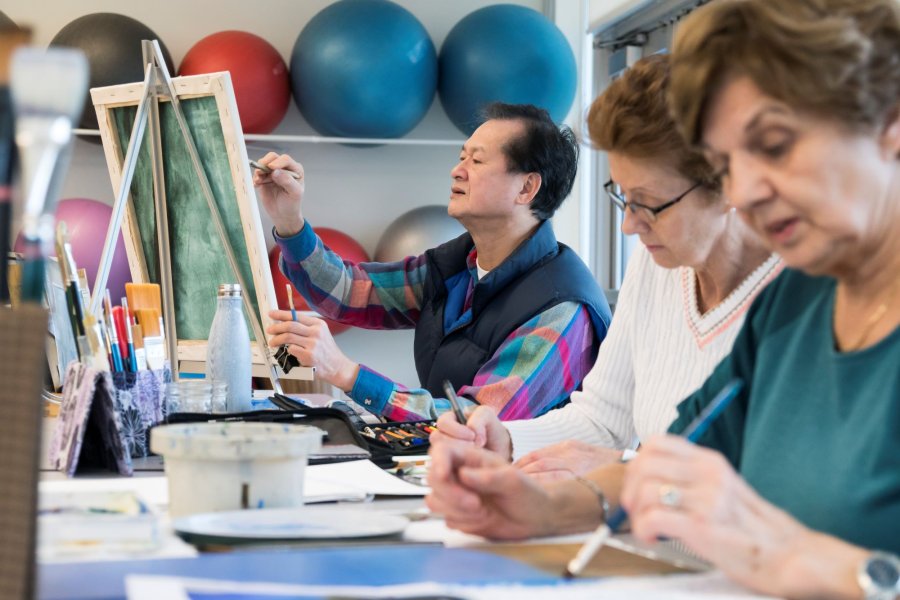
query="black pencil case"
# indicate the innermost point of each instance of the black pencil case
(383, 440)
(397, 439)
(339, 431)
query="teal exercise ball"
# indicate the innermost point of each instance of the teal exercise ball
(505, 53)
(364, 68)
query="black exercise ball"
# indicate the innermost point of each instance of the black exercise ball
(112, 44)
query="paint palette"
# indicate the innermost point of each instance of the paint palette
(287, 524)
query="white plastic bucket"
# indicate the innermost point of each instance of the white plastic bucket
(230, 466)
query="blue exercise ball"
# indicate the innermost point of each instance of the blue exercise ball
(364, 68)
(505, 53)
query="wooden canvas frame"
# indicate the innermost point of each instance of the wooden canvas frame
(234, 187)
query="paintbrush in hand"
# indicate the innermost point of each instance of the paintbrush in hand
(48, 89)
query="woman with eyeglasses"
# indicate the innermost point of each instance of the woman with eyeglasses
(687, 288)
(795, 490)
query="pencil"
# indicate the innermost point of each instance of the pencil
(692, 432)
(454, 402)
(290, 295)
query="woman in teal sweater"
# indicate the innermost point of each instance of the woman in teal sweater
(794, 489)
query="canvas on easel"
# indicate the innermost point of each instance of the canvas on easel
(169, 167)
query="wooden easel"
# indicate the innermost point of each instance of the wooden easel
(158, 86)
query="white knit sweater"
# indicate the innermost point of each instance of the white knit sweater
(658, 350)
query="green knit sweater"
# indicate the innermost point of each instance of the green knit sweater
(816, 431)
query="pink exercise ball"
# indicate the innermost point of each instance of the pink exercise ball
(86, 221)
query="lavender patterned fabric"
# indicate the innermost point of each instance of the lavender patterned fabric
(139, 400)
(104, 418)
(88, 431)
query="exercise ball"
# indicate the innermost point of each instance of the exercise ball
(505, 53)
(259, 75)
(112, 44)
(414, 232)
(342, 244)
(87, 221)
(363, 68)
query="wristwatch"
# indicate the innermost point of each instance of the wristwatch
(879, 576)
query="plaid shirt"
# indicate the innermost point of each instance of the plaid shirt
(538, 365)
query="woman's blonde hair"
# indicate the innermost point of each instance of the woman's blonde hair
(835, 59)
(632, 117)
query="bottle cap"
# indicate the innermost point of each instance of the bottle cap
(230, 290)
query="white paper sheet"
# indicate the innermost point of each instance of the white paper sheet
(153, 489)
(321, 485)
(435, 530)
(362, 475)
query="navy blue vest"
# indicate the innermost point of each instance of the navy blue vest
(538, 275)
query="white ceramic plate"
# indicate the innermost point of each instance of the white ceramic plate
(301, 523)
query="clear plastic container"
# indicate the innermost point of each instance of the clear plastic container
(196, 396)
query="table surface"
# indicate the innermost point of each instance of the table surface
(341, 562)
(370, 564)
(377, 562)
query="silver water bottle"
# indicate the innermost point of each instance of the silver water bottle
(228, 350)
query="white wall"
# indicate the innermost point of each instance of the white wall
(357, 190)
(601, 12)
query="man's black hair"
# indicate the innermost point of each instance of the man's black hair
(544, 148)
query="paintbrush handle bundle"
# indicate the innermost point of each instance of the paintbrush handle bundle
(145, 300)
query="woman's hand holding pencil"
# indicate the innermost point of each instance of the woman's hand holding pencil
(477, 491)
(482, 428)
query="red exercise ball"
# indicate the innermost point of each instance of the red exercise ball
(87, 221)
(342, 244)
(262, 85)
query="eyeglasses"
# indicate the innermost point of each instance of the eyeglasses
(649, 213)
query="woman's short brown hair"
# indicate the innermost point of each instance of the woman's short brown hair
(632, 117)
(835, 59)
